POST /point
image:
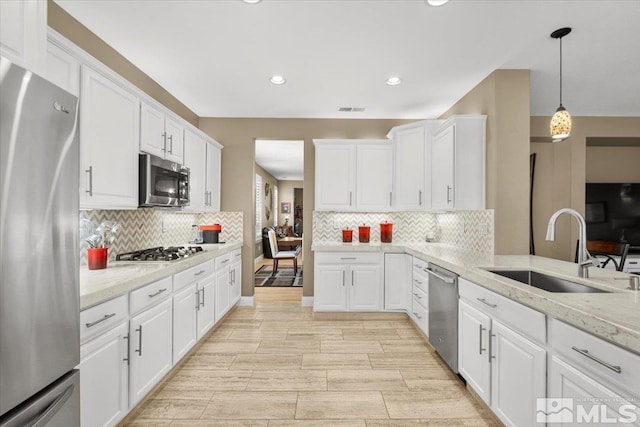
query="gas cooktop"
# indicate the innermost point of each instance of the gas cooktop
(173, 253)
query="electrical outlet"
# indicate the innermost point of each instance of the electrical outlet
(336, 224)
(483, 228)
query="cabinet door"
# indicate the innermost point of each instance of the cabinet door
(330, 288)
(175, 141)
(374, 174)
(23, 33)
(195, 158)
(409, 191)
(212, 188)
(518, 376)
(150, 355)
(206, 309)
(335, 177)
(109, 141)
(365, 290)
(221, 299)
(63, 69)
(473, 344)
(185, 307)
(442, 169)
(397, 281)
(104, 378)
(567, 382)
(236, 283)
(153, 139)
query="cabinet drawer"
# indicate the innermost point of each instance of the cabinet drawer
(420, 265)
(582, 349)
(421, 297)
(103, 316)
(236, 256)
(223, 261)
(186, 277)
(348, 257)
(421, 281)
(420, 316)
(526, 320)
(150, 294)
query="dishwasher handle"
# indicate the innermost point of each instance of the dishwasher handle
(445, 279)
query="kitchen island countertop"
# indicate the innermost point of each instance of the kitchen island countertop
(614, 316)
(120, 277)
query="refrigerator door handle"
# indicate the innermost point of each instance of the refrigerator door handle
(53, 409)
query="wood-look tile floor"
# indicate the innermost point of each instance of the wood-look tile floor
(280, 365)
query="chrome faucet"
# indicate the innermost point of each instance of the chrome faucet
(585, 260)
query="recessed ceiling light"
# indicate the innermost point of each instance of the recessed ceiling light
(393, 81)
(251, 1)
(277, 80)
(435, 2)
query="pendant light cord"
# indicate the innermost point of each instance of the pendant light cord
(560, 71)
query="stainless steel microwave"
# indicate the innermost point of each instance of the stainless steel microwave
(162, 183)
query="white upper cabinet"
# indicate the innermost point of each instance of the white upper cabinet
(408, 145)
(458, 164)
(109, 141)
(23, 33)
(213, 180)
(335, 175)
(63, 69)
(195, 158)
(353, 175)
(160, 135)
(374, 167)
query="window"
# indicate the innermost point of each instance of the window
(275, 205)
(258, 207)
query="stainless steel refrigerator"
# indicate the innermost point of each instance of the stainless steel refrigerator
(39, 275)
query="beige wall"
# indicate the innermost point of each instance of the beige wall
(238, 164)
(613, 164)
(561, 176)
(68, 26)
(285, 194)
(504, 97)
(266, 201)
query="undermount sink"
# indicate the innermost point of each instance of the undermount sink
(546, 282)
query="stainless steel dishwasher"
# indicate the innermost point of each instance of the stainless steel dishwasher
(443, 314)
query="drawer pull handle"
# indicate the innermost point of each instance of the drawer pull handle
(417, 281)
(417, 296)
(225, 260)
(348, 257)
(484, 301)
(106, 316)
(445, 279)
(417, 315)
(157, 293)
(586, 354)
(198, 273)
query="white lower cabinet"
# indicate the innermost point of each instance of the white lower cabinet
(348, 282)
(235, 291)
(185, 318)
(420, 295)
(497, 359)
(397, 280)
(104, 378)
(222, 298)
(151, 349)
(206, 309)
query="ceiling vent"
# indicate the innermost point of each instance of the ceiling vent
(351, 109)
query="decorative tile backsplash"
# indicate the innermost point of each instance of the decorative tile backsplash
(465, 229)
(146, 228)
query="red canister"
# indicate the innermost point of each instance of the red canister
(347, 235)
(364, 231)
(386, 232)
(96, 258)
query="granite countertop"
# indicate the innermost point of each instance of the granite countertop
(120, 277)
(614, 316)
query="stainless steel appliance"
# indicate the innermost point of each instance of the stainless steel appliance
(39, 273)
(162, 183)
(160, 253)
(443, 314)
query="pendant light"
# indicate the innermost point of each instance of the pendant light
(560, 125)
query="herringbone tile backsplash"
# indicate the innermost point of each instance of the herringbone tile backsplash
(146, 228)
(471, 230)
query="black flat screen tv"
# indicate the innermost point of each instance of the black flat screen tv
(613, 212)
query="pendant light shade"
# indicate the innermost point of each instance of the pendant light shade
(560, 126)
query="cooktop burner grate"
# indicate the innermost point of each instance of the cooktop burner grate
(160, 253)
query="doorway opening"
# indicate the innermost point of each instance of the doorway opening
(279, 190)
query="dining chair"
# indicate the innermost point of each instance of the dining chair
(278, 255)
(609, 250)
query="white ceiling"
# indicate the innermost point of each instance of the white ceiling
(217, 56)
(282, 159)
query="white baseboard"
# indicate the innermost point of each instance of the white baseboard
(257, 260)
(307, 301)
(247, 301)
